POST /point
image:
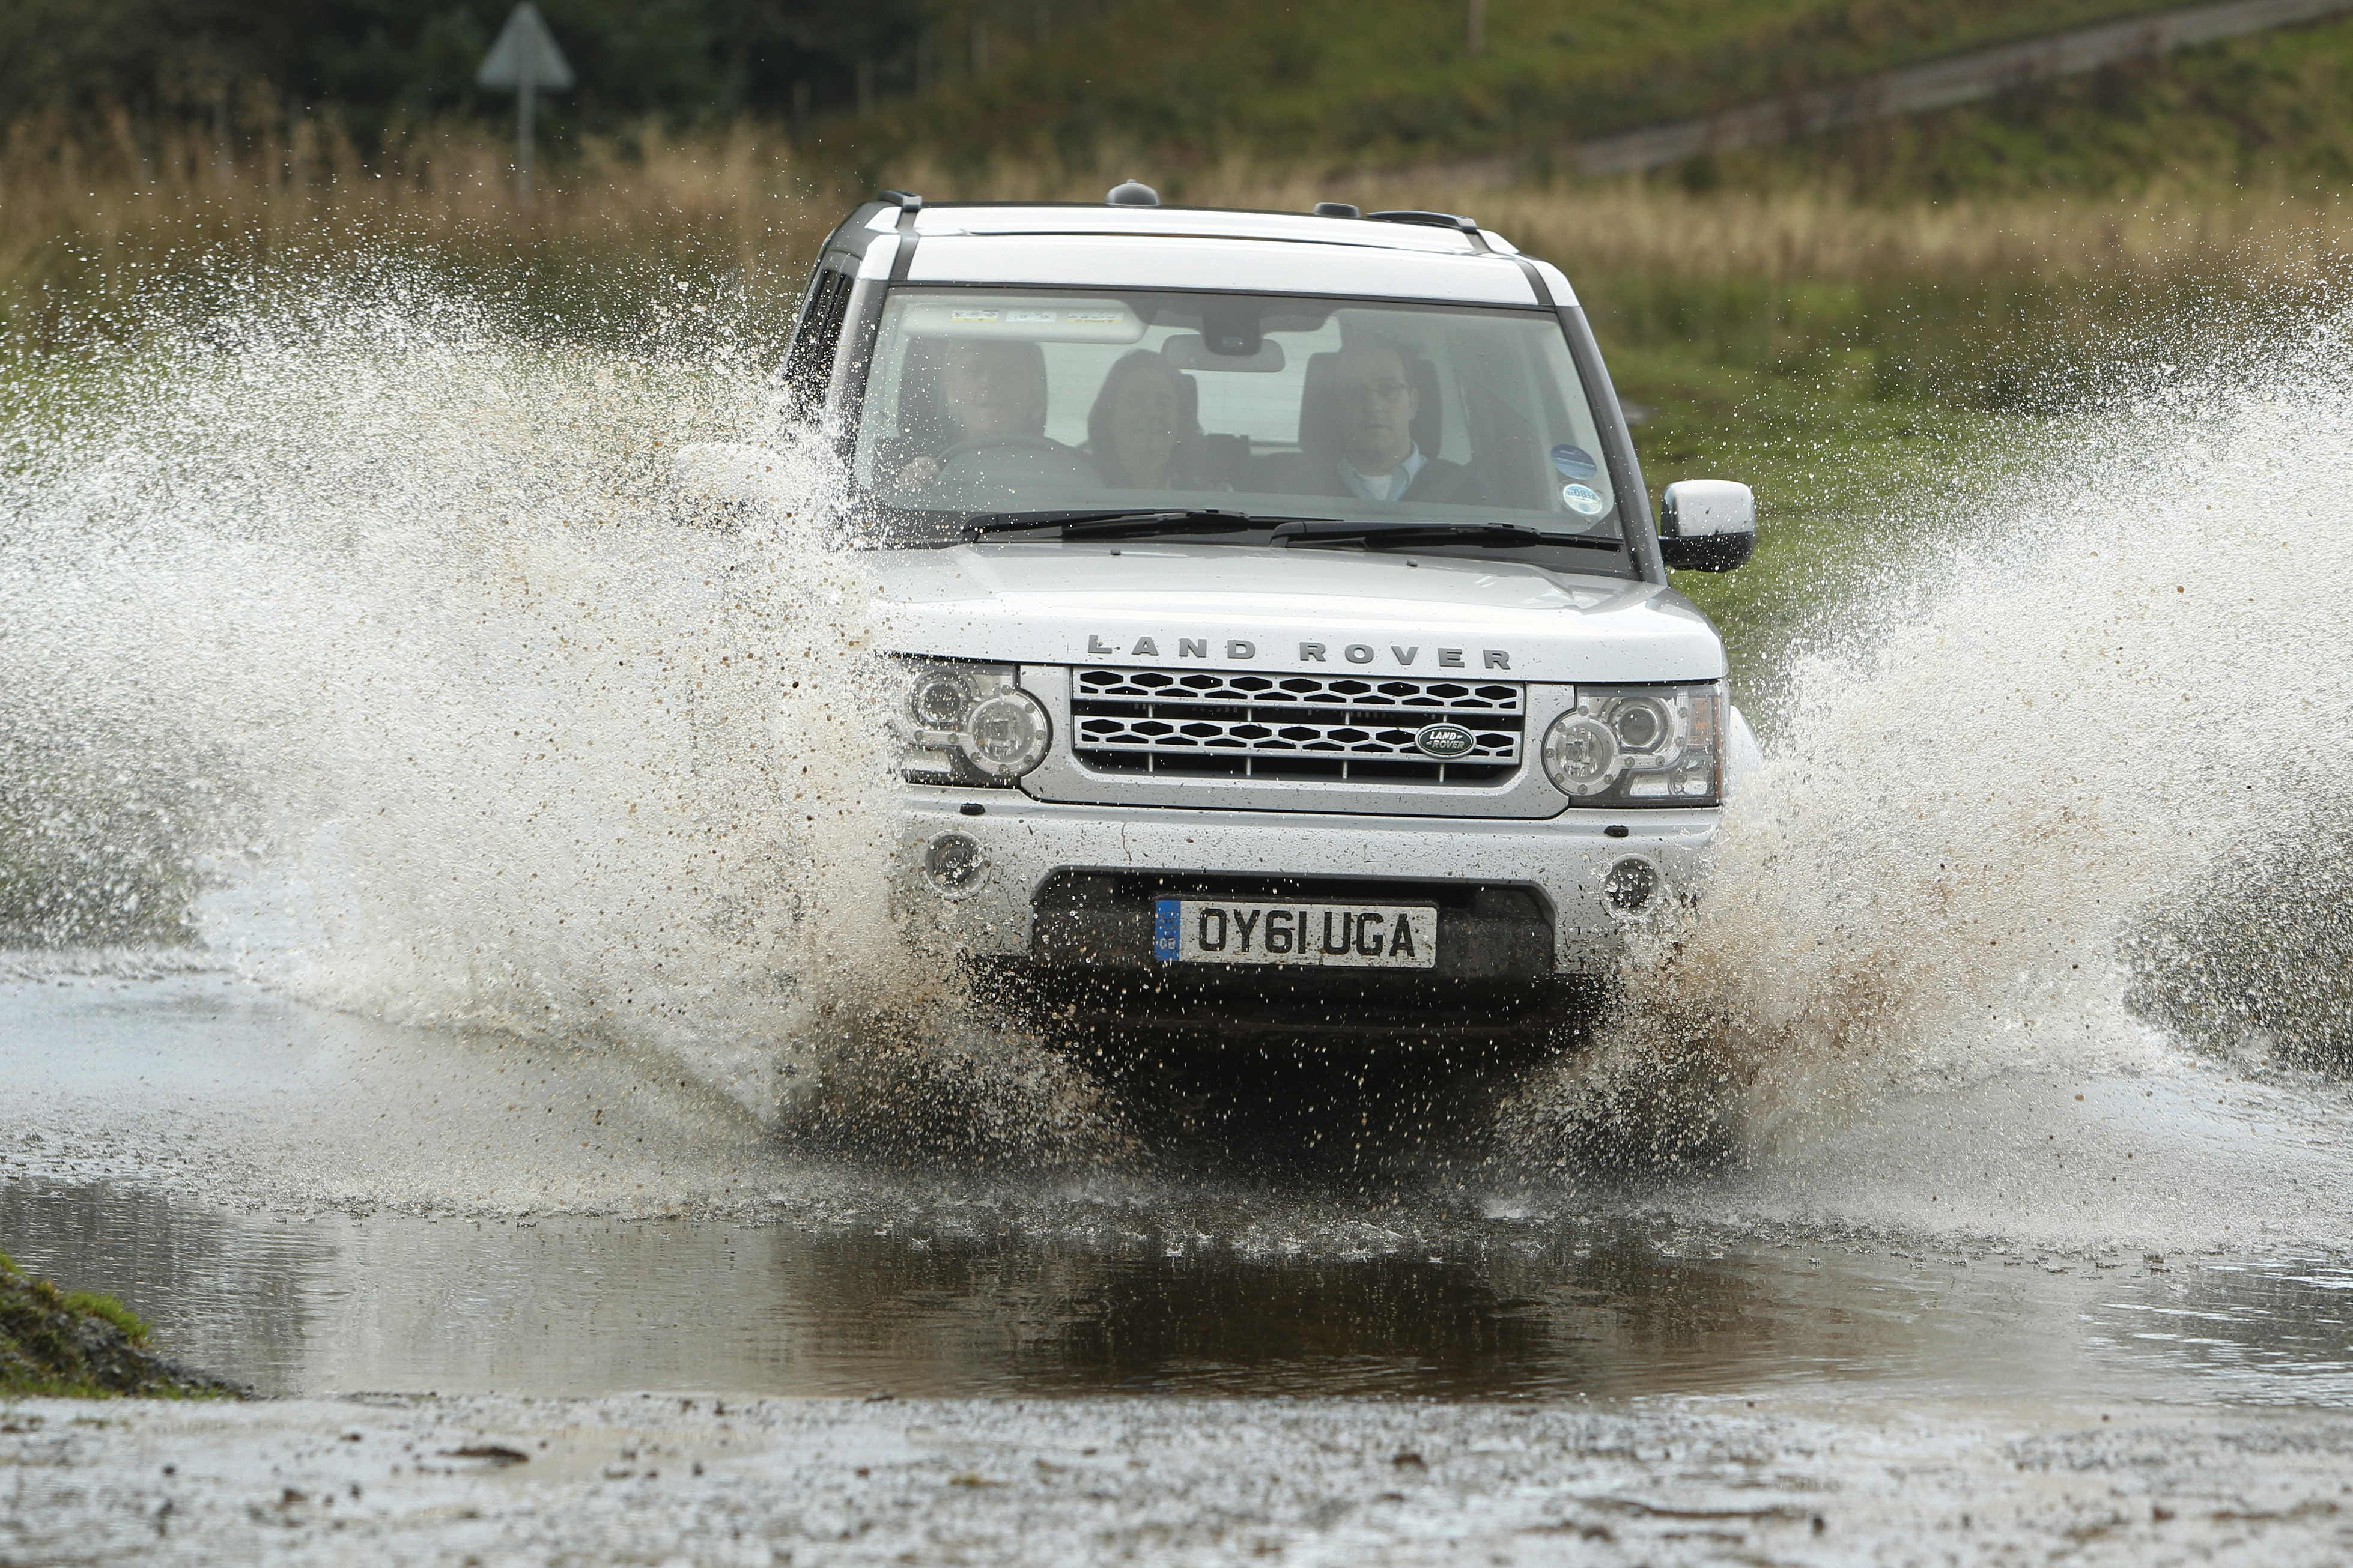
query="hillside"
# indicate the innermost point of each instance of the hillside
(2269, 113)
(1378, 80)
(1336, 85)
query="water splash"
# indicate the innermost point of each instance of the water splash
(404, 664)
(2114, 701)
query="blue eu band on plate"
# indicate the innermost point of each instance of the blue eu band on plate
(1354, 936)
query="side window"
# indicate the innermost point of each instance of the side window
(809, 361)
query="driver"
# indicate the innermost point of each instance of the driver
(1373, 404)
(986, 387)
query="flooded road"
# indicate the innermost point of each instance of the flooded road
(989, 1298)
(315, 1205)
(444, 983)
(706, 1347)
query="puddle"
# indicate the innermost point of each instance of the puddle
(929, 1305)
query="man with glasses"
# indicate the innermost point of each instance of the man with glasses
(1372, 406)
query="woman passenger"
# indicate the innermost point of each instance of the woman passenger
(1138, 433)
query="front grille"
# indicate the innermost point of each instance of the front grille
(1301, 727)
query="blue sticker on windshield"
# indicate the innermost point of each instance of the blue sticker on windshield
(1583, 500)
(1574, 462)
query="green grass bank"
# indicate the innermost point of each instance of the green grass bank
(71, 1344)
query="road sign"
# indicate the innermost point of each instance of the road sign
(527, 62)
(525, 56)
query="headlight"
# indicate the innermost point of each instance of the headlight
(1639, 745)
(967, 723)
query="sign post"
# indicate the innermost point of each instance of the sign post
(526, 62)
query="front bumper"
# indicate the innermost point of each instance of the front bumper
(1024, 843)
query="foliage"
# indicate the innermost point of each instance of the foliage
(1356, 83)
(2258, 114)
(385, 62)
(73, 1344)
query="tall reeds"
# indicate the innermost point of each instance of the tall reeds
(1958, 302)
(88, 217)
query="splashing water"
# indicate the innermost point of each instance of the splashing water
(2008, 814)
(390, 657)
(462, 701)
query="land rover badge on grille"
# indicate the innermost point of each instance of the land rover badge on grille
(1445, 740)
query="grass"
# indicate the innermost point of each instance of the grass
(1366, 83)
(1947, 299)
(2258, 114)
(97, 224)
(1338, 86)
(72, 1344)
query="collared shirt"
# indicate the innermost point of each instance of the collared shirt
(1391, 486)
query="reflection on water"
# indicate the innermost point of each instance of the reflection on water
(2279, 1335)
(972, 1301)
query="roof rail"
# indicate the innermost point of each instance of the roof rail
(1467, 226)
(909, 203)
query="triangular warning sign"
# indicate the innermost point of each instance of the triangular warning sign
(525, 55)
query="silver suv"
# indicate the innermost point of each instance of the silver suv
(1288, 645)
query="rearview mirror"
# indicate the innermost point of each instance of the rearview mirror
(1188, 350)
(1708, 525)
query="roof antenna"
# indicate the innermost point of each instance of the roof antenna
(1132, 194)
(1338, 209)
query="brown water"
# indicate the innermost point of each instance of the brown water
(987, 1302)
(310, 1203)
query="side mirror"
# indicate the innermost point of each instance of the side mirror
(1709, 525)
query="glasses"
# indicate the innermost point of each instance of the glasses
(1376, 391)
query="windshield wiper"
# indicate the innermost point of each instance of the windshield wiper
(1125, 524)
(1384, 536)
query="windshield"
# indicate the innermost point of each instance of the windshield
(1001, 407)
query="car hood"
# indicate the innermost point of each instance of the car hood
(1323, 610)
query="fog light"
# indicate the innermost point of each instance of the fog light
(955, 864)
(1630, 886)
(1580, 755)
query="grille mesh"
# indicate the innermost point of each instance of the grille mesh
(1299, 727)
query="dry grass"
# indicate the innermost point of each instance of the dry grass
(1627, 227)
(85, 214)
(89, 214)
(1630, 226)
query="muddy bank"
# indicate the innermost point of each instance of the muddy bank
(74, 1344)
(395, 1479)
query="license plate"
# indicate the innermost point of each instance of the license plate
(1339, 936)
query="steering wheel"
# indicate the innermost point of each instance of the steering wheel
(1014, 463)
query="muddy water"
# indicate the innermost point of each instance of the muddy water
(924, 1306)
(192, 1143)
